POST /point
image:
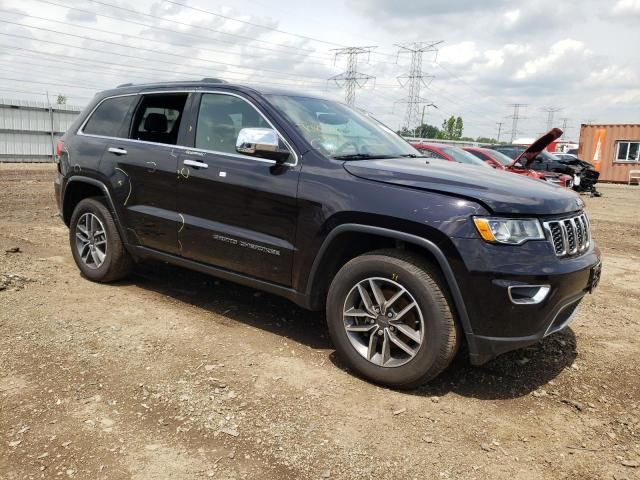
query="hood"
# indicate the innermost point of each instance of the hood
(529, 155)
(499, 191)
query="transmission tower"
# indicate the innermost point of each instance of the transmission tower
(499, 125)
(415, 79)
(351, 78)
(516, 117)
(550, 111)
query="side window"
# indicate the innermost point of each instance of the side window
(220, 119)
(107, 119)
(158, 117)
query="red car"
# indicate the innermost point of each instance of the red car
(448, 152)
(500, 161)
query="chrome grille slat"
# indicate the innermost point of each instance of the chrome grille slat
(569, 236)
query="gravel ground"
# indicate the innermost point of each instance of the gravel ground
(172, 374)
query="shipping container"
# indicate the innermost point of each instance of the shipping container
(614, 150)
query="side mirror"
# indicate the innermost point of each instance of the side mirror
(262, 143)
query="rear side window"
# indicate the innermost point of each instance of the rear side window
(157, 118)
(107, 119)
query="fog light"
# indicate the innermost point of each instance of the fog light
(528, 294)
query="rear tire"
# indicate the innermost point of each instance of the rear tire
(411, 348)
(96, 244)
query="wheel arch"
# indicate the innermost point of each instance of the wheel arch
(325, 262)
(78, 188)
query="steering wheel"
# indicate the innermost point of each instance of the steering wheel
(342, 147)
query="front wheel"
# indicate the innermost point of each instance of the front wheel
(95, 243)
(390, 319)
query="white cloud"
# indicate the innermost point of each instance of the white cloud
(560, 52)
(624, 8)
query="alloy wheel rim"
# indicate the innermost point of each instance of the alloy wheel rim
(383, 321)
(91, 241)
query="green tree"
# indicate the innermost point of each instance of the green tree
(427, 131)
(61, 100)
(449, 128)
(458, 128)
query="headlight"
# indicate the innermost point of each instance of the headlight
(512, 231)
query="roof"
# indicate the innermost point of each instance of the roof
(206, 83)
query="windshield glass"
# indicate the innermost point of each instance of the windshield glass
(501, 157)
(461, 156)
(339, 131)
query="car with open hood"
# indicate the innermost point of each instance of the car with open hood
(535, 157)
(306, 198)
(500, 161)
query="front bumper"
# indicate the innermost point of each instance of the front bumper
(486, 273)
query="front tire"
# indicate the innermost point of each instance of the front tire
(390, 320)
(96, 244)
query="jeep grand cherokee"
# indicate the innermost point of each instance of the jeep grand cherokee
(309, 199)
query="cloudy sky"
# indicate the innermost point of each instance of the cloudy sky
(577, 56)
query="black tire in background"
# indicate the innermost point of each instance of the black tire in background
(117, 262)
(441, 335)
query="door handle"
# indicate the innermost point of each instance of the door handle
(195, 164)
(117, 151)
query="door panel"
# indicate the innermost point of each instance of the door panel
(239, 214)
(149, 207)
(146, 163)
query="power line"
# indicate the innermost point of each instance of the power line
(352, 78)
(137, 48)
(130, 10)
(100, 65)
(516, 117)
(415, 79)
(253, 24)
(137, 37)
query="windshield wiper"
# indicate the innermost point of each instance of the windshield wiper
(361, 156)
(413, 155)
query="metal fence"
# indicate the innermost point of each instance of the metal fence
(29, 130)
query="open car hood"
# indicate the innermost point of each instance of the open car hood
(530, 154)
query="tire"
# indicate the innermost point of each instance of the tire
(432, 320)
(116, 263)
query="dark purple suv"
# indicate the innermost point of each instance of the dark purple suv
(308, 199)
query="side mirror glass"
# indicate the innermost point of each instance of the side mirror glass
(262, 143)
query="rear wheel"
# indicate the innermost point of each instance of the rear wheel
(96, 244)
(390, 319)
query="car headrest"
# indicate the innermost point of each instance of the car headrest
(156, 123)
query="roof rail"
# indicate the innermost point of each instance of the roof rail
(213, 80)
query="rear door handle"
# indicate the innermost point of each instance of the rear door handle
(117, 151)
(195, 164)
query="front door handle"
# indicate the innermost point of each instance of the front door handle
(195, 164)
(117, 151)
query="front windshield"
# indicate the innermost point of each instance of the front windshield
(341, 132)
(461, 156)
(501, 157)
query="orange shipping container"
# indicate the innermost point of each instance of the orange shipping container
(614, 150)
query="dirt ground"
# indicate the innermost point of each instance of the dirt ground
(173, 374)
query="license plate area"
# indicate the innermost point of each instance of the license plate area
(594, 277)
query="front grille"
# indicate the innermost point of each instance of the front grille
(569, 236)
